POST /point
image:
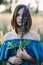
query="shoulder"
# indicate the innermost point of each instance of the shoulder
(32, 35)
(35, 35)
(8, 35)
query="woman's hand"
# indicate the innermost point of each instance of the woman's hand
(15, 60)
(22, 53)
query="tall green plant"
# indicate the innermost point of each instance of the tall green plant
(4, 28)
(41, 35)
(1, 1)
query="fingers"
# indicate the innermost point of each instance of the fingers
(19, 50)
(21, 53)
(18, 60)
(18, 54)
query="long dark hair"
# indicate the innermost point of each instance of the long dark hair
(14, 22)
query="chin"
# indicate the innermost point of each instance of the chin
(19, 24)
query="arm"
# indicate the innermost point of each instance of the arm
(24, 55)
(14, 60)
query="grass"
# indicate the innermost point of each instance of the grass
(41, 35)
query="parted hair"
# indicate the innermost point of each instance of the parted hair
(14, 21)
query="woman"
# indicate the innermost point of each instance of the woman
(21, 43)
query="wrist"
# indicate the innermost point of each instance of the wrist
(11, 60)
(29, 58)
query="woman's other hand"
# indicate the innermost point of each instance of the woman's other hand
(15, 60)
